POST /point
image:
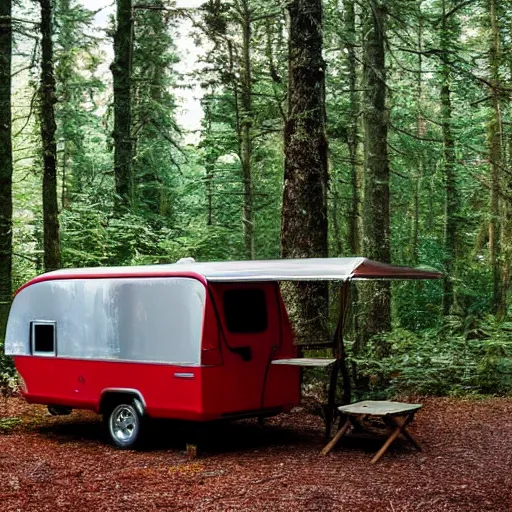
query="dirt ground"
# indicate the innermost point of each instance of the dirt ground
(64, 463)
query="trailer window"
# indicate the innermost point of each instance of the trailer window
(245, 310)
(43, 338)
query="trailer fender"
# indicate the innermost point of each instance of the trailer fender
(113, 396)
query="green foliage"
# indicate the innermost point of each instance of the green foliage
(7, 424)
(76, 63)
(154, 128)
(189, 199)
(442, 361)
(8, 378)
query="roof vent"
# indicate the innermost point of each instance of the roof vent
(186, 260)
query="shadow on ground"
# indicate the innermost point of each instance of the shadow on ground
(211, 438)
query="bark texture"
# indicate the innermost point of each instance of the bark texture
(420, 131)
(376, 226)
(52, 258)
(209, 168)
(246, 127)
(304, 219)
(449, 172)
(5, 163)
(499, 225)
(354, 227)
(121, 72)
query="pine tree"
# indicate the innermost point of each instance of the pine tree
(304, 216)
(47, 96)
(122, 74)
(499, 228)
(376, 215)
(155, 133)
(75, 67)
(242, 40)
(6, 166)
(447, 32)
(353, 135)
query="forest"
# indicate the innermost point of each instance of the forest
(376, 128)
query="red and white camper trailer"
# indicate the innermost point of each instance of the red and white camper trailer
(190, 341)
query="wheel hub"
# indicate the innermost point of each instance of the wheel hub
(124, 423)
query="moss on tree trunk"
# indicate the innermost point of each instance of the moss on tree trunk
(121, 72)
(5, 163)
(304, 220)
(376, 227)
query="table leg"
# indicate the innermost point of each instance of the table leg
(399, 429)
(357, 422)
(332, 443)
(386, 445)
(406, 433)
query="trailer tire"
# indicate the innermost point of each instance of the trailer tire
(124, 425)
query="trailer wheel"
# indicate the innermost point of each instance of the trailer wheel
(124, 426)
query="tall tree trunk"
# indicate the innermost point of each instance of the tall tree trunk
(353, 128)
(52, 259)
(498, 226)
(506, 160)
(121, 72)
(354, 237)
(5, 163)
(450, 180)
(148, 77)
(337, 244)
(246, 128)
(304, 220)
(420, 131)
(210, 159)
(63, 12)
(376, 225)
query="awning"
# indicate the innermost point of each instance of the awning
(306, 269)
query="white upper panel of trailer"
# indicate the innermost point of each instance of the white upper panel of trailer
(305, 269)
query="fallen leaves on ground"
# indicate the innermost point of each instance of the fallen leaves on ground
(64, 463)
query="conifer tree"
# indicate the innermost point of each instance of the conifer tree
(122, 75)
(155, 134)
(6, 166)
(376, 213)
(304, 216)
(47, 98)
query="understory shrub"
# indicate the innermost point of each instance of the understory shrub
(439, 361)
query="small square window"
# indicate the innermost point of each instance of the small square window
(43, 338)
(245, 310)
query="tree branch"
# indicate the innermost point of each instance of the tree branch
(414, 136)
(32, 101)
(17, 72)
(19, 20)
(452, 11)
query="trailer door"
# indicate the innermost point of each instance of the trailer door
(250, 334)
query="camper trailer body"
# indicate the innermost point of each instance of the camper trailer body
(185, 348)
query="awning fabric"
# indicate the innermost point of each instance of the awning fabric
(305, 269)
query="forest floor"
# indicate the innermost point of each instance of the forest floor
(63, 463)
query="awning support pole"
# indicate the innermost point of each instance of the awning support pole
(341, 362)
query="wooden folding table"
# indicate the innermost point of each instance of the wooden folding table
(395, 415)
